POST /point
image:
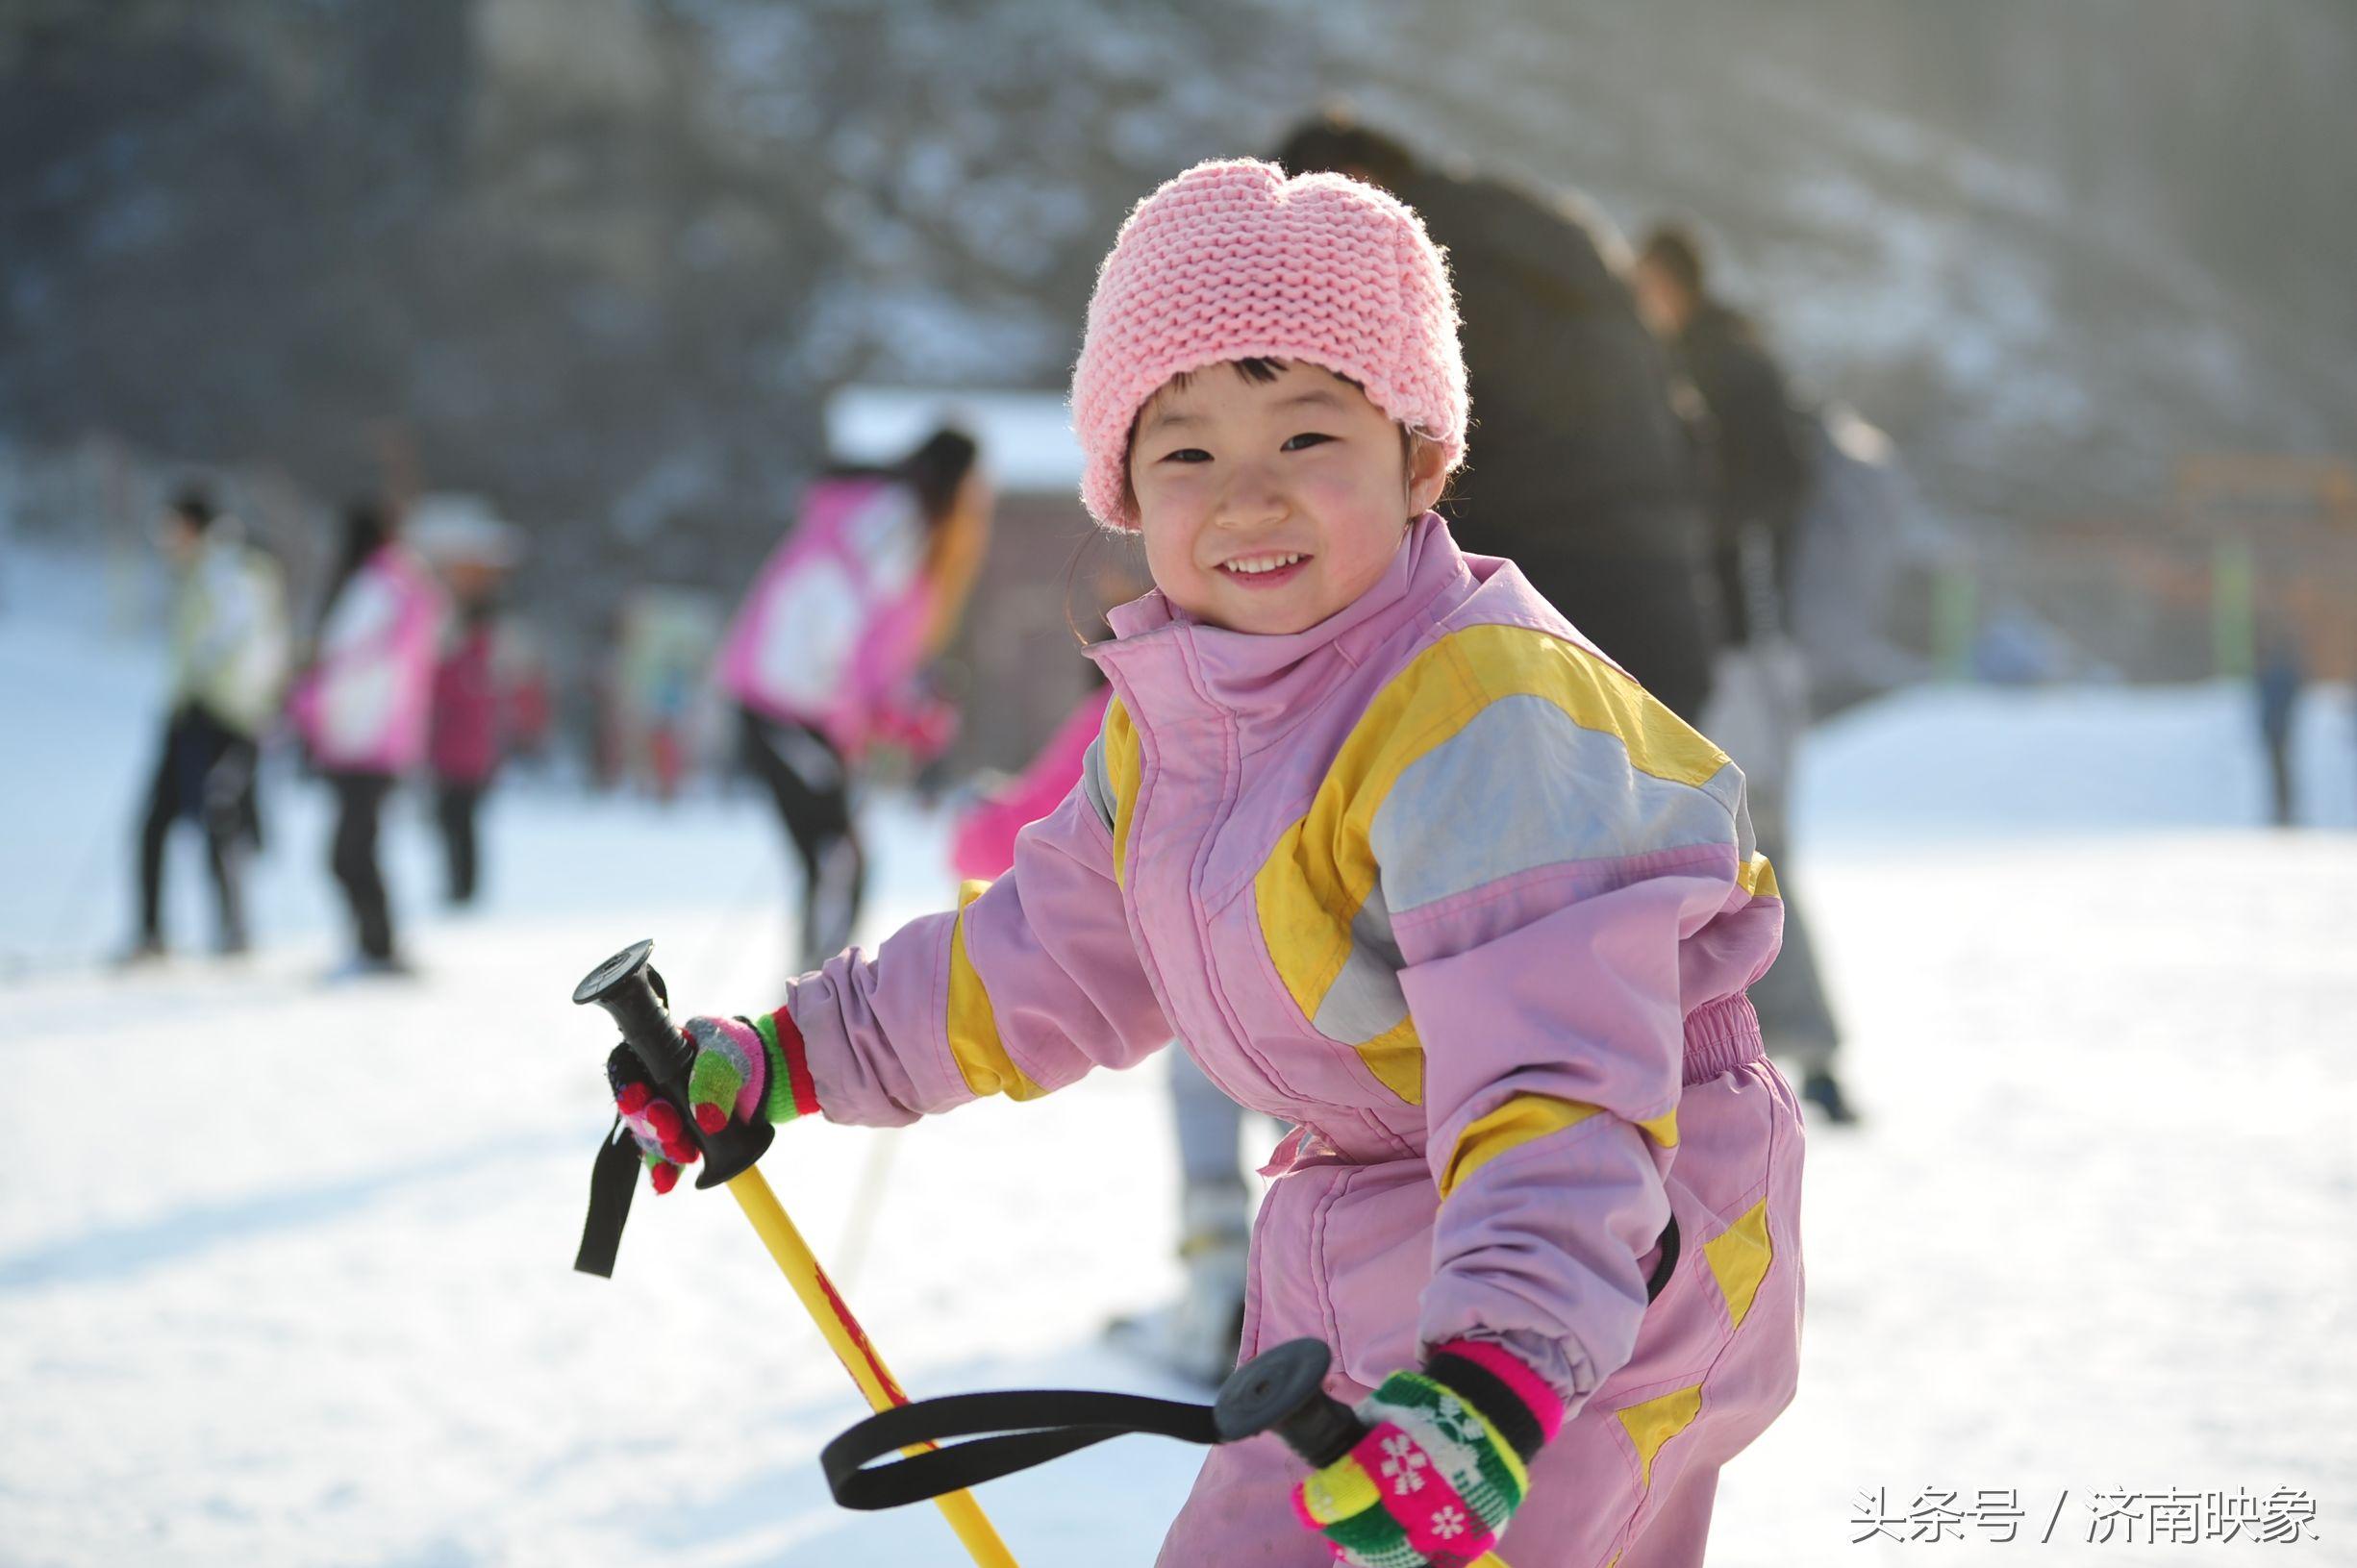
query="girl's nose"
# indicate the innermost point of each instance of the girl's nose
(1251, 498)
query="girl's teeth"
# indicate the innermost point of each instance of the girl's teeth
(1262, 564)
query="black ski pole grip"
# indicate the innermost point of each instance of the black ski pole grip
(1284, 1391)
(620, 985)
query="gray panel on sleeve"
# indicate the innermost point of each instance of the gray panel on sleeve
(1522, 786)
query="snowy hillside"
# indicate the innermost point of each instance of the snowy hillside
(284, 1264)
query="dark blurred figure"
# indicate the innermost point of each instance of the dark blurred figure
(824, 658)
(1578, 469)
(1753, 471)
(1756, 474)
(363, 708)
(2278, 680)
(229, 662)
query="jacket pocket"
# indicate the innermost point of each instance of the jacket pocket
(1372, 1243)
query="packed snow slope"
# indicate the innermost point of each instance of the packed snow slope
(284, 1263)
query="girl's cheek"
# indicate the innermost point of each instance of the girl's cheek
(1167, 545)
(1340, 488)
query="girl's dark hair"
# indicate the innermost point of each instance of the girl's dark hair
(367, 527)
(937, 468)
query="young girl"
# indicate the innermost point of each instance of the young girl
(823, 656)
(1404, 862)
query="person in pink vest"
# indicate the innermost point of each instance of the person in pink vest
(982, 844)
(363, 707)
(823, 659)
(1404, 860)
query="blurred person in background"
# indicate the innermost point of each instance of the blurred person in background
(1581, 479)
(363, 708)
(2276, 683)
(982, 844)
(466, 741)
(1754, 474)
(607, 750)
(229, 665)
(473, 553)
(530, 692)
(670, 708)
(825, 655)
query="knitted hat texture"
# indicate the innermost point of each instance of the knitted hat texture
(1233, 261)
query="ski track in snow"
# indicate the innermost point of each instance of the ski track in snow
(284, 1265)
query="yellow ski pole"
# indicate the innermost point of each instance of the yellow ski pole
(851, 1347)
(621, 987)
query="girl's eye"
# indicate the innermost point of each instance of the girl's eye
(1305, 440)
(1186, 453)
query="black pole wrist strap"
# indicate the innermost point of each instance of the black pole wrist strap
(611, 1180)
(1010, 1432)
(1021, 1427)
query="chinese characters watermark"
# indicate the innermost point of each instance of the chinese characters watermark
(2167, 1517)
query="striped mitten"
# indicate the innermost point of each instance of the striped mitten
(1443, 1464)
(745, 1067)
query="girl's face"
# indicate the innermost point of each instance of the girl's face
(1269, 506)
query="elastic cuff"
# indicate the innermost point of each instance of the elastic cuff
(1491, 1378)
(791, 1093)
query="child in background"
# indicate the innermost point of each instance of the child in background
(466, 741)
(982, 845)
(472, 552)
(1403, 860)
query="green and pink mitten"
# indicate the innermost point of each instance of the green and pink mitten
(1443, 1464)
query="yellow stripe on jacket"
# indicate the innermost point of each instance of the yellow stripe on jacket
(1321, 894)
(1524, 1119)
(1125, 769)
(973, 1031)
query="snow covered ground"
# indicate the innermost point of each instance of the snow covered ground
(284, 1265)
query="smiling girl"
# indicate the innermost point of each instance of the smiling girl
(1405, 862)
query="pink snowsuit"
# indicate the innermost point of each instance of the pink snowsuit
(1436, 881)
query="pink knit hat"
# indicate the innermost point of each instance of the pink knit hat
(1233, 261)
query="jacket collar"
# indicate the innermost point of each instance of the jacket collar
(1252, 676)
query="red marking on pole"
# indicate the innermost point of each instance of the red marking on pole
(859, 1337)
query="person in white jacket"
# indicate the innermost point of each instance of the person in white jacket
(228, 662)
